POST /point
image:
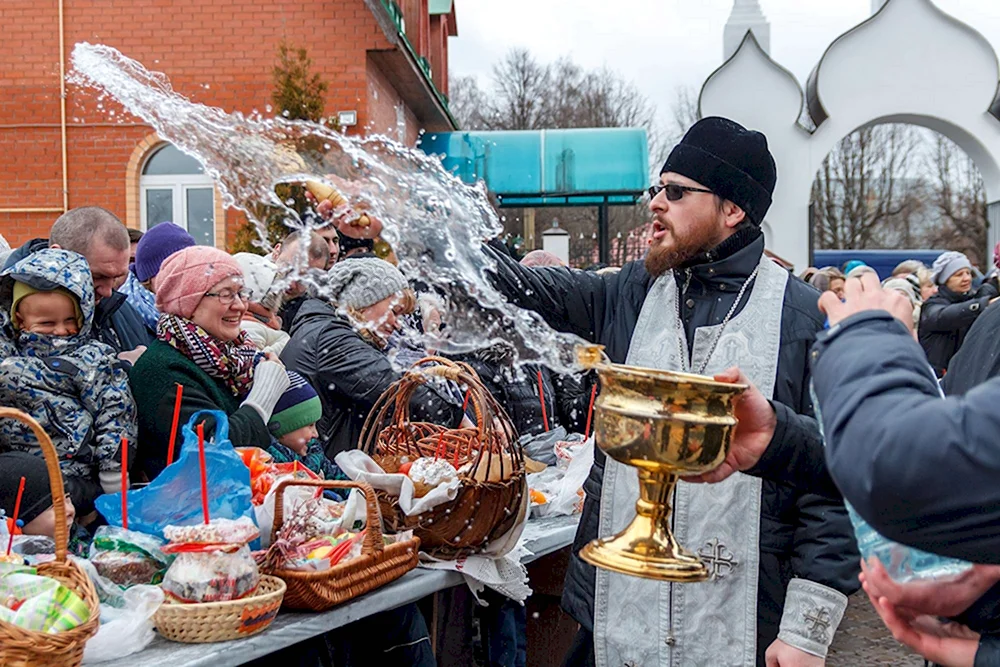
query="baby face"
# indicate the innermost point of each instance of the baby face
(298, 440)
(49, 313)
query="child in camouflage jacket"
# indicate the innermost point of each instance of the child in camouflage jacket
(72, 384)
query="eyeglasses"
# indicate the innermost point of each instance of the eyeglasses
(227, 296)
(674, 191)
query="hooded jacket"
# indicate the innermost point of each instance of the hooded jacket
(802, 534)
(74, 386)
(349, 375)
(116, 322)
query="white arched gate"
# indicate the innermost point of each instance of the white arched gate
(909, 63)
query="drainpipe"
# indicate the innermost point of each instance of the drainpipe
(62, 127)
(62, 106)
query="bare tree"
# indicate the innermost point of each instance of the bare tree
(958, 194)
(521, 86)
(525, 94)
(865, 194)
(467, 102)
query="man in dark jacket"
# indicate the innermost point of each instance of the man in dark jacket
(706, 286)
(101, 237)
(921, 470)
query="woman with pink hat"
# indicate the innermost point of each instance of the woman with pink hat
(200, 344)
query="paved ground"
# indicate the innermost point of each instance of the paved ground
(862, 640)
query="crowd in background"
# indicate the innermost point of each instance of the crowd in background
(947, 297)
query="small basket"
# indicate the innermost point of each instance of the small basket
(377, 565)
(205, 622)
(483, 510)
(27, 648)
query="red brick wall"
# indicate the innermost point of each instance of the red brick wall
(384, 104)
(439, 52)
(218, 52)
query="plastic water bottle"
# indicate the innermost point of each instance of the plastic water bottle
(901, 562)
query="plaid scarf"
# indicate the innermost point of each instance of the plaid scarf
(232, 362)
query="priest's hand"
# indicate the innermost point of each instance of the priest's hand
(780, 654)
(866, 293)
(752, 434)
(932, 598)
(949, 644)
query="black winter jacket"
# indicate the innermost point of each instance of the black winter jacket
(802, 533)
(946, 318)
(349, 374)
(978, 360)
(518, 394)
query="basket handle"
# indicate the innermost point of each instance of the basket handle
(55, 476)
(373, 519)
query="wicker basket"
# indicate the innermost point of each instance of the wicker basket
(483, 510)
(204, 622)
(24, 648)
(376, 566)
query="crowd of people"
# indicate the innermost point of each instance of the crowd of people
(99, 324)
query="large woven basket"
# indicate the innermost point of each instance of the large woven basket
(25, 648)
(483, 510)
(204, 622)
(377, 565)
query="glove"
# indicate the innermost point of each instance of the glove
(270, 380)
(111, 481)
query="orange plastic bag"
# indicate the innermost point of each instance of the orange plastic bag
(264, 471)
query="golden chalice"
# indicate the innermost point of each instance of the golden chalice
(665, 424)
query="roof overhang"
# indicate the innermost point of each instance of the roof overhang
(402, 65)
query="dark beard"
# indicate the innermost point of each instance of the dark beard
(659, 260)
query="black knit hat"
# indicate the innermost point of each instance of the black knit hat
(37, 497)
(730, 160)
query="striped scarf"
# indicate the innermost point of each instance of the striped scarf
(232, 362)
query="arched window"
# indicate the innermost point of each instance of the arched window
(175, 188)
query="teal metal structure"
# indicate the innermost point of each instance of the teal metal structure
(534, 168)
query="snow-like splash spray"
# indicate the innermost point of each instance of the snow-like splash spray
(435, 223)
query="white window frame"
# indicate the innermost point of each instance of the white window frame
(179, 184)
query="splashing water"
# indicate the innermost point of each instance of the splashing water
(435, 223)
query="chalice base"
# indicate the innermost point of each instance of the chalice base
(628, 554)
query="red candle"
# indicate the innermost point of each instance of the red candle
(204, 478)
(541, 397)
(465, 404)
(173, 428)
(125, 483)
(590, 410)
(17, 510)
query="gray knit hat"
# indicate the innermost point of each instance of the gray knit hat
(363, 281)
(948, 264)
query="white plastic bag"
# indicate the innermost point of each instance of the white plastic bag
(125, 631)
(563, 489)
(293, 497)
(362, 468)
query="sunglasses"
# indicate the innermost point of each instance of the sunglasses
(673, 191)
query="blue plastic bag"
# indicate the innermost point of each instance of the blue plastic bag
(174, 497)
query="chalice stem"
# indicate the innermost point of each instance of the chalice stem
(654, 508)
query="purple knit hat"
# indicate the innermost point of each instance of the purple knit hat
(156, 245)
(186, 275)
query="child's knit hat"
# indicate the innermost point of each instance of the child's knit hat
(299, 406)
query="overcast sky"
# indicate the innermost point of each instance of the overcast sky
(662, 44)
